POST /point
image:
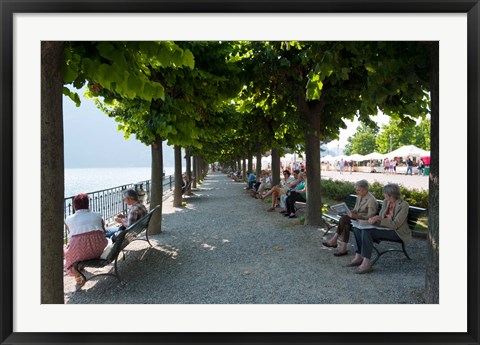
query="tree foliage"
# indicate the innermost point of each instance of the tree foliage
(362, 142)
(123, 68)
(367, 140)
(404, 134)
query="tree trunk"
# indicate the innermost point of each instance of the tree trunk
(206, 167)
(244, 169)
(52, 173)
(195, 172)
(312, 114)
(188, 167)
(313, 215)
(155, 225)
(177, 192)
(259, 160)
(432, 272)
(250, 162)
(275, 167)
(199, 169)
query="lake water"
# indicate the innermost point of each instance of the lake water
(87, 180)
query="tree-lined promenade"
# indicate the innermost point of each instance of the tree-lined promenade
(228, 101)
(224, 248)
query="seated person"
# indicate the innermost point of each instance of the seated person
(251, 179)
(291, 186)
(299, 194)
(184, 182)
(237, 175)
(393, 215)
(87, 236)
(136, 211)
(365, 208)
(257, 184)
(266, 183)
(277, 191)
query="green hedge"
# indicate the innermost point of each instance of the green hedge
(339, 190)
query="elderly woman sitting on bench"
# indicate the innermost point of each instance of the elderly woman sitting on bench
(393, 219)
(136, 210)
(87, 237)
(365, 207)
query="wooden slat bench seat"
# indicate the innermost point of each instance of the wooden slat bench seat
(414, 213)
(125, 237)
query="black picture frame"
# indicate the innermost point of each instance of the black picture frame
(10, 7)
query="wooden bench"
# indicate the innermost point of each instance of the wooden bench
(414, 213)
(125, 237)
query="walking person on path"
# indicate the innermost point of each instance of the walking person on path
(341, 165)
(409, 166)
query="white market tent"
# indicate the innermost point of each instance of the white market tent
(288, 158)
(373, 156)
(266, 162)
(328, 158)
(355, 157)
(407, 151)
(339, 158)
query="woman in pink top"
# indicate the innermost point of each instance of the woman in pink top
(87, 232)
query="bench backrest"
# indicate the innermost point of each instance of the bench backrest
(414, 213)
(129, 234)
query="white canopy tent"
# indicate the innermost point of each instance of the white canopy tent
(339, 158)
(407, 151)
(373, 156)
(355, 157)
(328, 158)
(266, 162)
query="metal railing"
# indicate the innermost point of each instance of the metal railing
(109, 202)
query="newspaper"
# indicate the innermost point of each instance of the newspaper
(340, 209)
(363, 224)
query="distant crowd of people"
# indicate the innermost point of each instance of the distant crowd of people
(291, 189)
(389, 165)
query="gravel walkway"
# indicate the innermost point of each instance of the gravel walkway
(224, 248)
